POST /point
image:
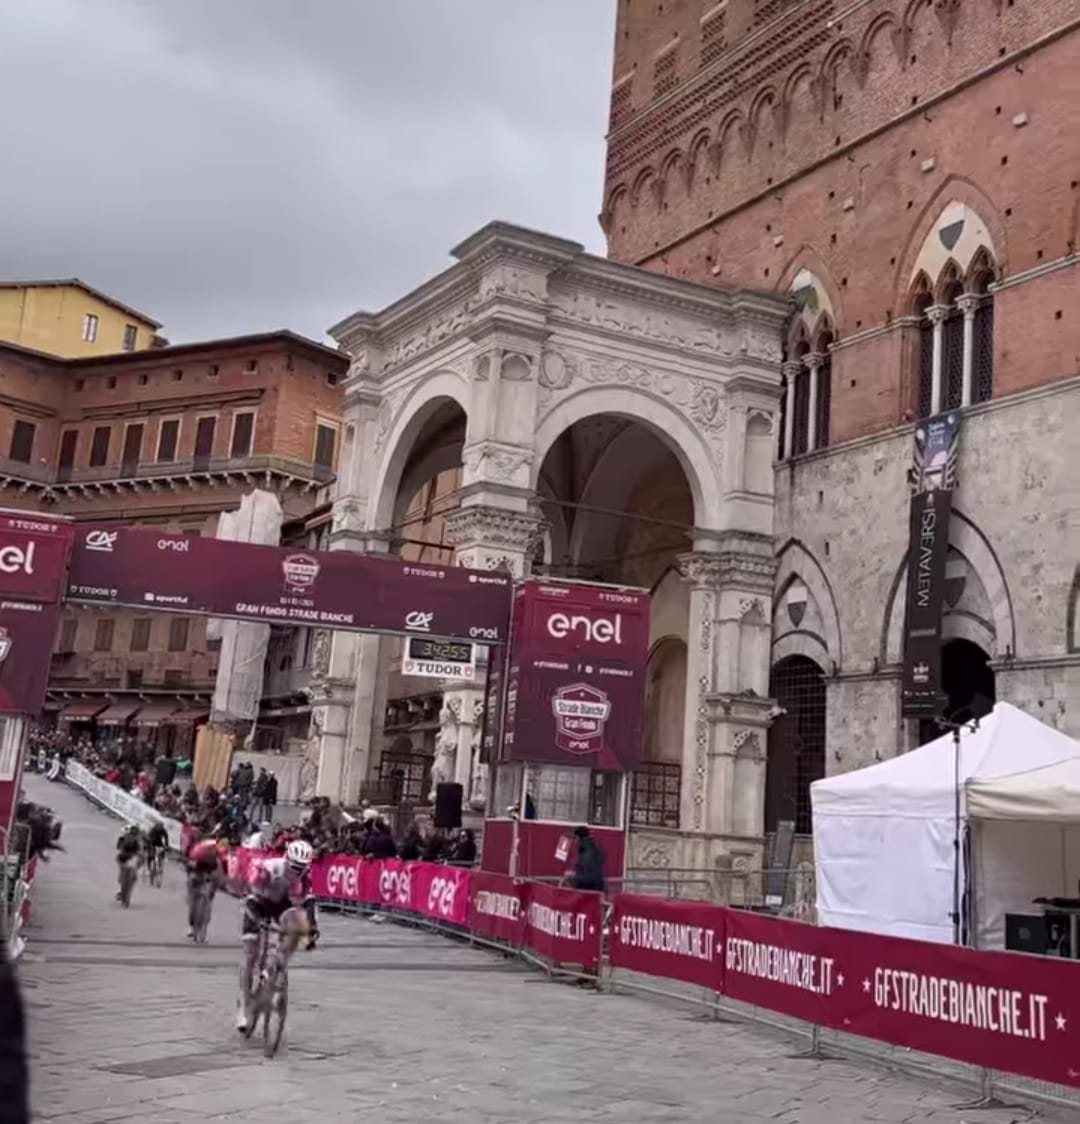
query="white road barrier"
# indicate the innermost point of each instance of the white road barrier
(122, 804)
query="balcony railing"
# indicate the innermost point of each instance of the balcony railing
(149, 471)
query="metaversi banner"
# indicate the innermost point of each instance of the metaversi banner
(933, 479)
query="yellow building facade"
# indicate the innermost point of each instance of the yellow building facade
(70, 319)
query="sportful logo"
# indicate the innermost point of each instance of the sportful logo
(101, 540)
(300, 572)
(14, 559)
(419, 622)
(592, 630)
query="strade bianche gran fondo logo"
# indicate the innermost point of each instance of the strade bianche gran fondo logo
(581, 712)
(299, 572)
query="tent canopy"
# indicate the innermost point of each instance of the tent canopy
(883, 836)
(1050, 794)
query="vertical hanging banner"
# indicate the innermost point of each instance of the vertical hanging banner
(576, 682)
(933, 479)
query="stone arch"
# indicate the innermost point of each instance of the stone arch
(426, 398)
(955, 190)
(997, 636)
(698, 461)
(884, 21)
(734, 121)
(806, 267)
(665, 699)
(764, 104)
(700, 145)
(829, 76)
(797, 564)
(609, 485)
(645, 182)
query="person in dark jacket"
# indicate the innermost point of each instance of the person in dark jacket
(588, 873)
(464, 849)
(14, 1079)
(410, 848)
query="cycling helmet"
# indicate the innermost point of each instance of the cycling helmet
(299, 855)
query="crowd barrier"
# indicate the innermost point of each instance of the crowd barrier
(564, 927)
(993, 1010)
(19, 909)
(129, 808)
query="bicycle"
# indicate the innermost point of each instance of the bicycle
(155, 867)
(202, 900)
(268, 997)
(129, 872)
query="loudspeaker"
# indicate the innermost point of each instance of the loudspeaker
(448, 806)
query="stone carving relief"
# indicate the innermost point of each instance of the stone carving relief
(494, 460)
(430, 334)
(646, 323)
(516, 367)
(701, 402)
(348, 516)
(655, 856)
(505, 281)
(747, 744)
(386, 415)
(750, 605)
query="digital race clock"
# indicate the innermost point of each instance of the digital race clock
(439, 651)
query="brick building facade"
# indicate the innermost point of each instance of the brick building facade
(907, 172)
(167, 437)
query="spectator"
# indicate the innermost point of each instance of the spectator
(588, 872)
(270, 798)
(463, 852)
(411, 846)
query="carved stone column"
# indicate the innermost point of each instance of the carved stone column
(814, 362)
(791, 371)
(728, 709)
(937, 314)
(485, 536)
(968, 304)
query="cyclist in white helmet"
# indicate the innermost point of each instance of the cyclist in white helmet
(280, 892)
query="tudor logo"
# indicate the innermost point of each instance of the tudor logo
(591, 630)
(300, 572)
(101, 540)
(419, 622)
(14, 559)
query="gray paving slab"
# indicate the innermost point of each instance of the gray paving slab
(128, 1022)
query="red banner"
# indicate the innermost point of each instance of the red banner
(340, 878)
(33, 558)
(167, 572)
(441, 892)
(677, 940)
(576, 684)
(1019, 1014)
(564, 925)
(497, 907)
(27, 637)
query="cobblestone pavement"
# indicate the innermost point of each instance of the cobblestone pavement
(128, 1022)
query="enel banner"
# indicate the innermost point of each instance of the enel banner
(576, 681)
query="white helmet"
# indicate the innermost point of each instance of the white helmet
(299, 855)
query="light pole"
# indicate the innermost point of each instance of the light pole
(971, 725)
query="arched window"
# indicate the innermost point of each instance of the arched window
(952, 351)
(924, 354)
(807, 391)
(955, 319)
(982, 277)
(796, 756)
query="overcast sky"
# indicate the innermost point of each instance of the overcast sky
(231, 166)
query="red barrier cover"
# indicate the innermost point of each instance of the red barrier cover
(677, 940)
(497, 907)
(441, 892)
(1005, 1011)
(564, 925)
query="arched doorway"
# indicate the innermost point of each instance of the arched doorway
(796, 755)
(621, 511)
(968, 684)
(407, 720)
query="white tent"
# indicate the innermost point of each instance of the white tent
(883, 836)
(1025, 842)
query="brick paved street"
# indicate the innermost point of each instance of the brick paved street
(130, 1023)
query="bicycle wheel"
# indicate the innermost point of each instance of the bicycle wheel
(127, 881)
(202, 917)
(274, 1019)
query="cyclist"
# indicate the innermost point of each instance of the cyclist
(205, 863)
(280, 892)
(128, 849)
(156, 841)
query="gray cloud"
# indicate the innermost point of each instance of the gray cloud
(239, 165)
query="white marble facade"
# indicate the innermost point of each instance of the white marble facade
(528, 335)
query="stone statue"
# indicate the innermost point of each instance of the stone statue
(442, 768)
